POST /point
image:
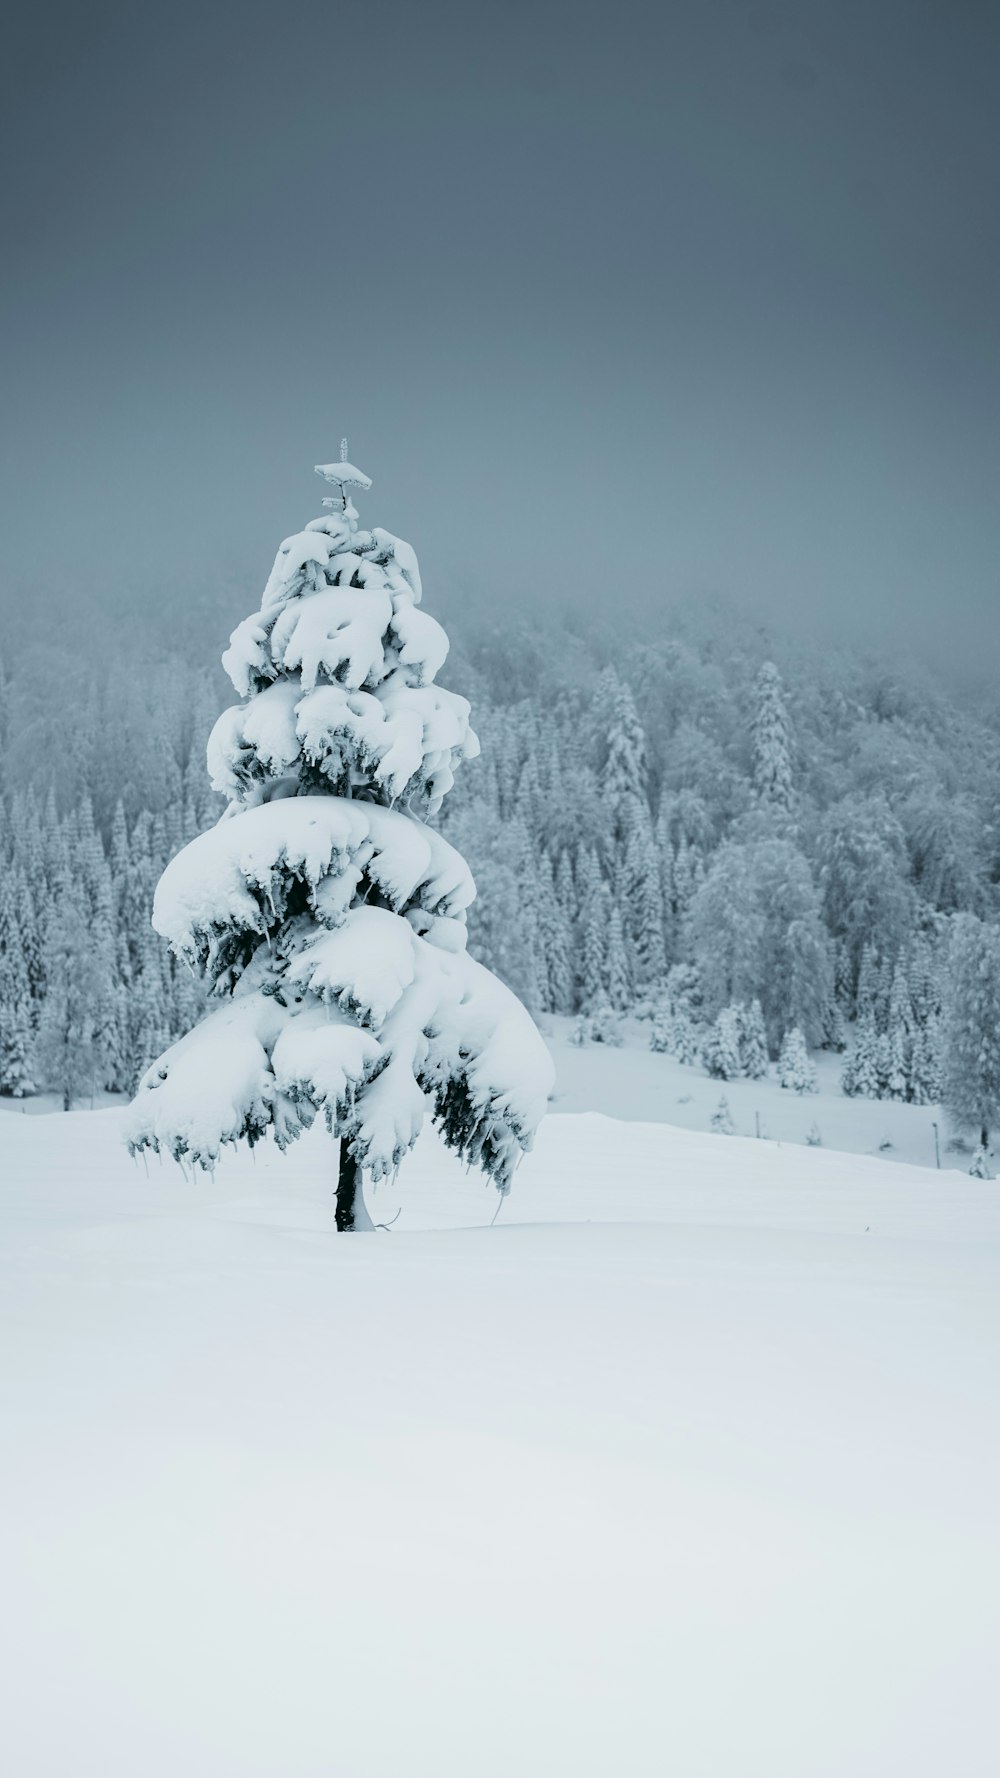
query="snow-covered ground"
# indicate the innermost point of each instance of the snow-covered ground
(688, 1465)
(633, 1083)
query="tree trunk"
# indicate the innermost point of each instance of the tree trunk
(984, 1136)
(352, 1213)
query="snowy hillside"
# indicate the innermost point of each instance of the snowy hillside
(632, 1082)
(688, 1465)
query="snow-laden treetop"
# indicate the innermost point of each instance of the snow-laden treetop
(322, 909)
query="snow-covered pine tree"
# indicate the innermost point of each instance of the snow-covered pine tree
(720, 1051)
(616, 970)
(595, 917)
(329, 919)
(859, 1078)
(772, 740)
(899, 1035)
(753, 1041)
(70, 1045)
(866, 1003)
(643, 906)
(925, 1063)
(15, 996)
(796, 1071)
(625, 770)
(971, 1058)
(555, 941)
(721, 1120)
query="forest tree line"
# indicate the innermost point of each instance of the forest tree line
(693, 823)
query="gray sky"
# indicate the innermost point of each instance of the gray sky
(634, 299)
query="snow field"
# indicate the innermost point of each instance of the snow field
(635, 1083)
(689, 1464)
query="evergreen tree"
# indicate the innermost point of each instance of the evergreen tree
(616, 971)
(329, 919)
(596, 919)
(645, 908)
(625, 771)
(15, 997)
(555, 941)
(753, 1041)
(971, 1059)
(860, 1077)
(772, 747)
(899, 1036)
(721, 1120)
(70, 1052)
(720, 1050)
(795, 1068)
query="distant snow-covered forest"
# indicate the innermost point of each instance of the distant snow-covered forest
(745, 836)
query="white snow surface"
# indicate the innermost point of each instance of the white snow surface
(633, 1082)
(689, 1465)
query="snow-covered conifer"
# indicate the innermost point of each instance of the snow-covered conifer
(329, 919)
(595, 916)
(616, 971)
(625, 771)
(644, 907)
(70, 1048)
(971, 1059)
(925, 1064)
(772, 748)
(15, 997)
(753, 1041)
(720, 1051)
(868, 983)
(834, 1028)
(721, 1120)
(605, 1026)
(555, 942)
(899, 1036)
(795, 1068)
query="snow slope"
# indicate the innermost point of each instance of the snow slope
(635, 1084)
(632, 1082)
(688, 1465)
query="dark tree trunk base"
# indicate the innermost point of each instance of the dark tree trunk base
(352, 1213)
